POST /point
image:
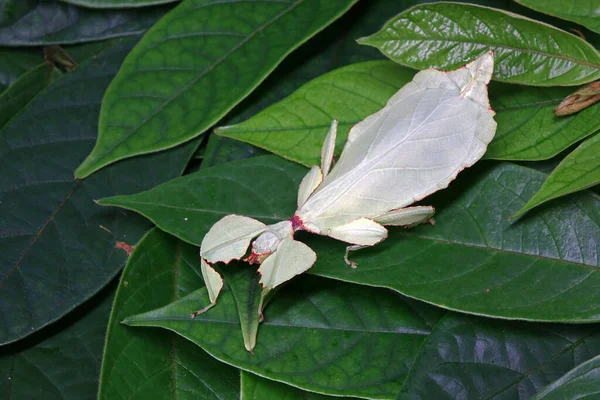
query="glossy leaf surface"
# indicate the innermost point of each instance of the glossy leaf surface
(472, 248)
(62, 362)
(527, 127)
(194, 66)
(582, 382)
(42, 22)
(473, 358)
(577, 171)
(582, 12)
(117, 3)
(57, 246)
(338, 339)
(446, 35)
(24, 89)
(154, 364)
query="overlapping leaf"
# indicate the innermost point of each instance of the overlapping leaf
(24, 90)
(257, 388)
(194, 66)
(474, 260)
(117, 3)
(577, 171)
(153, 364)
(337, 339)
(42, 22)
(61, 364)
(58, 247)
(473, 358)
(527, 127)
(15, 62)
(581, 382)
(446, 35)
(583, 12)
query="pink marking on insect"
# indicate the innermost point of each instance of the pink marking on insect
(255, 258)
(297, 224)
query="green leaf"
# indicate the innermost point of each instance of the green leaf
(542, 268)
(154, 364)
(338, 339)
(42, 22)
(476, 358)
(220, 150)
(257, 388)
(204, 55)
(527, 127)
(188, 206)
(117, 3)
(474, 260)
(583, 12)
(446, 35)
(62, 362)
(296, 127)
(15, 62)
(577, 171)
(57, 245)
(581, 382)
(24, 89)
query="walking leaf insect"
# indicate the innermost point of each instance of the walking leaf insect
(434, 127)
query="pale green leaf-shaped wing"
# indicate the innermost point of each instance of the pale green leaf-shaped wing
(309, 183)
(434, 127)
(290, 259)
(229, 238)
(328, 148)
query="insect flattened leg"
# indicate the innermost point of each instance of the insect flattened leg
(328, 148)
(407, 217)
(214, 284)
(362, 231)
(229, 238)
(354, 247)
(290, 259)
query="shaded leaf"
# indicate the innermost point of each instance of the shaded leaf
(527, 127)
(476, 358)
(205, 55)
(61, 362)
(581, 382)
(153, 364)
(15, 62)
(577, 171)
(57, 246)
(42, 22)
(584, 12)
(220, 150)
(296, 127)
(447, 35)
(24, 89)
(117, 3)
(339, 339)
(541, 268)
(257, 388)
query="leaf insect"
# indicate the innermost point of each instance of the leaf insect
(434, 127)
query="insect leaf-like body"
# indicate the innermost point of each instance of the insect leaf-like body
(433, 128)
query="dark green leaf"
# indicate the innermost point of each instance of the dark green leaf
(446, 35)
(117, 3)
(527, 127)
(194, 66)
(296, 127)
(582, 12)
(257, 388)
(582, 382)
(474, 260)
(474, 358)
(220, 150)
(153, 364)
(579, 170)
(61, 362)
(43, 22)
(262, 187)
(338, 339)
(24, 89)
(543, 268)
(15, 62)
(57, 246)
